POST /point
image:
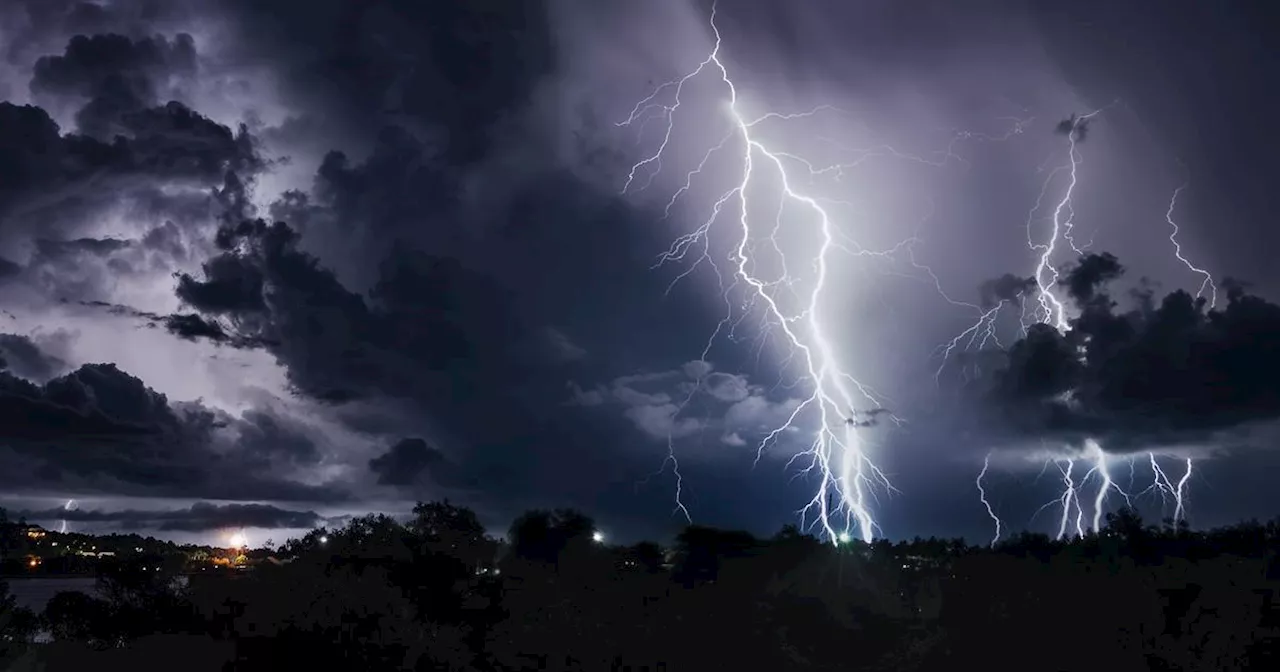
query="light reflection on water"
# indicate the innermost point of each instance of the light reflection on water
(35, 593)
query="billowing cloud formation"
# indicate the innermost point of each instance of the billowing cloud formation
(690, 400)
(429, 231)
(100, 429)
(1159, 374)
(114, 75)
(168, 162)
(199, 517)
(451, 69)
(426, 314)
(20, 355)
(1007, 287)
(407, 462)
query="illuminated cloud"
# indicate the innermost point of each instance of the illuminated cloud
(308, 244)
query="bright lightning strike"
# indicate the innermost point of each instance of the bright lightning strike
(1052, 311)
(71, 505)
(847, 477)
(982, 495)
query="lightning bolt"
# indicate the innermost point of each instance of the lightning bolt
(1166, 489)
(69, 506)
(1207, 283)
(1179, 494)
(836, 453)
(1072, 518)
(848, 479)
(1052, 311)
(982, 496)
(1062, 228)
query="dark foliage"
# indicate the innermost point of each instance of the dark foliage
(438, 593)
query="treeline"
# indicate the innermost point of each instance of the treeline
(440, 593)
(80, 553)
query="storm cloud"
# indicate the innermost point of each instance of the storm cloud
(1167, 372)
(100, 429)
(199, 517)
(289, 252)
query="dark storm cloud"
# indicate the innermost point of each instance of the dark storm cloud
(199, 517)
(403, 190)
(21, 356)
(425, 314)
(441, 350)
(1007, 287)
(1088, 277)
(1162, 374)
(61, 184)
(169, 143)
(98, 427)
(114, 76)
(188, 326)
(451, 68)
(408, 461)
(1073, 127)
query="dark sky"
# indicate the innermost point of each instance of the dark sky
(268, 263)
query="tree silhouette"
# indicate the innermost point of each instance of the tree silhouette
(378, 595)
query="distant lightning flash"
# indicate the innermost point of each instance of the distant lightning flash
(1177, 251)
(847, 477)
(1052, 311)
(71, 505)
(982, 495)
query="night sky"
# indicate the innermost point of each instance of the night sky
(267, 264)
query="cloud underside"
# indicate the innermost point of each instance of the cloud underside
(694, 400)
(1164, 373)
(379, 292)
(199, 517)
(138, 189)
(98, 429)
